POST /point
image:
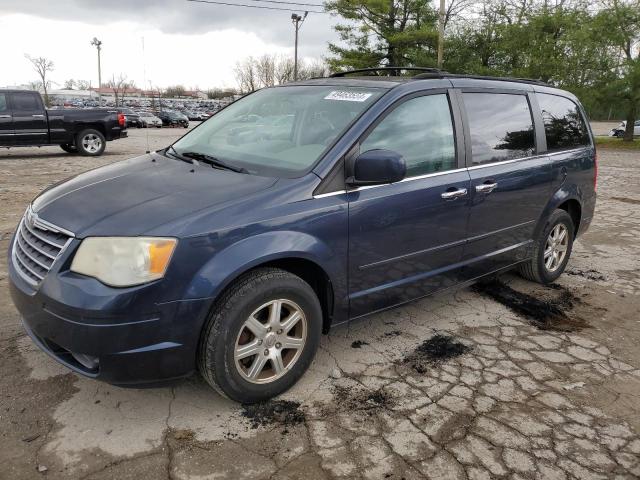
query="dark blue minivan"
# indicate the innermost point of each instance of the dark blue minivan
(294, 209)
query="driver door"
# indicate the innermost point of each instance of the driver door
(406, 239)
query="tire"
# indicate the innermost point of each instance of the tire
(90, 142)
(537, 269)
(69, 148)
(226, 330)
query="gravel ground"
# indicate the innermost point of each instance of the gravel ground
(504, 380)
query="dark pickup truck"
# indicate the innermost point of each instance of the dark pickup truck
(25, 122)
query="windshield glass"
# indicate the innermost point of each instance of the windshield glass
(279, 131)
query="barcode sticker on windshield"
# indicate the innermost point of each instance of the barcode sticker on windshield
(347, 96)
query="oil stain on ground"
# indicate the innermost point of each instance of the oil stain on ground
(589, 274)
(543, 314)
(358, 344)
(437, 349)
(352, 399)
(283, 413)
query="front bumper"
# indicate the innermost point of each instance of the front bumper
(119, 336)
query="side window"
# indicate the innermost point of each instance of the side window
(501, 126)
(564, 126)
(421, 130)
(25, 102)
(3, 103)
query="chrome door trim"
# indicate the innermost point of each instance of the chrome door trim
(455, 170)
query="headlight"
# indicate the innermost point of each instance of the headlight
(124, 261)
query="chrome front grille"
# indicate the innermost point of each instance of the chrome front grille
(37, 246)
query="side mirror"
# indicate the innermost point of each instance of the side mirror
(375, 167)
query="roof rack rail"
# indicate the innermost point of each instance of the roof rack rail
(397, 70)
(426, 72)
(483, 77)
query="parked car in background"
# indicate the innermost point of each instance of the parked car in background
(150, 120)
(620, 129)
(25, 122)
(232, 257)
(171, 118)
(133, 118)
(191, 115)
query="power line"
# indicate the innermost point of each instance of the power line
(291, 3)
(259, 6)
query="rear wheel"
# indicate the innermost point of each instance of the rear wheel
(261, 335)
(552, 249)
(90, 142)
(69, 148)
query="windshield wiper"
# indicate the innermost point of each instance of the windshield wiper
(213, 161)
(174, 153)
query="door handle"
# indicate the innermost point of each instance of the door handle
(486, 187)
(37, 116)
(5, 116)
(460, 192)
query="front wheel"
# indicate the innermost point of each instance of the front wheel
(90, 142)
(261, 335)
(69, 148)
(552, 249)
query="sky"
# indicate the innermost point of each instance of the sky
(187, 43)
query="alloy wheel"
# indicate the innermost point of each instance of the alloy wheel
(555, 248)
(91, 143)
(270, 341)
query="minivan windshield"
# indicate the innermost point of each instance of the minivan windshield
(279, 131)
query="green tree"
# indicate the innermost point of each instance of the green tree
(619, 23)
(384, 32)
(562, 44)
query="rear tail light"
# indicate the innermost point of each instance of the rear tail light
(595, 171)
(121, 119)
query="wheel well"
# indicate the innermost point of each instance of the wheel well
(573, 208)
(83, 126)
(316, 277)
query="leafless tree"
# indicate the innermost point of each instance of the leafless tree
(266, 70)
(34, 85)
(313, 69)
(83, 84)
(246, 75)
(119, 86)
(284, 69)
(175, 91)
(269, 70)
(43, 66)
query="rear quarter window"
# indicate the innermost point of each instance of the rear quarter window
(564, 126)
(3, 103)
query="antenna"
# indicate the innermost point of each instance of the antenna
(144, 82)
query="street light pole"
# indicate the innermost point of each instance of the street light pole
(297, 22)
(441, 34)
(98, 44)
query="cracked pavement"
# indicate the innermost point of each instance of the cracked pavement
(378, 402)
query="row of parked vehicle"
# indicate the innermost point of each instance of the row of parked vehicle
(148, 119)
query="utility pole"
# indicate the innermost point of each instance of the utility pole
(297, 21)
(441, 34)
(98, 44)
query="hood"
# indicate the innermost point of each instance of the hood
(142, 194)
